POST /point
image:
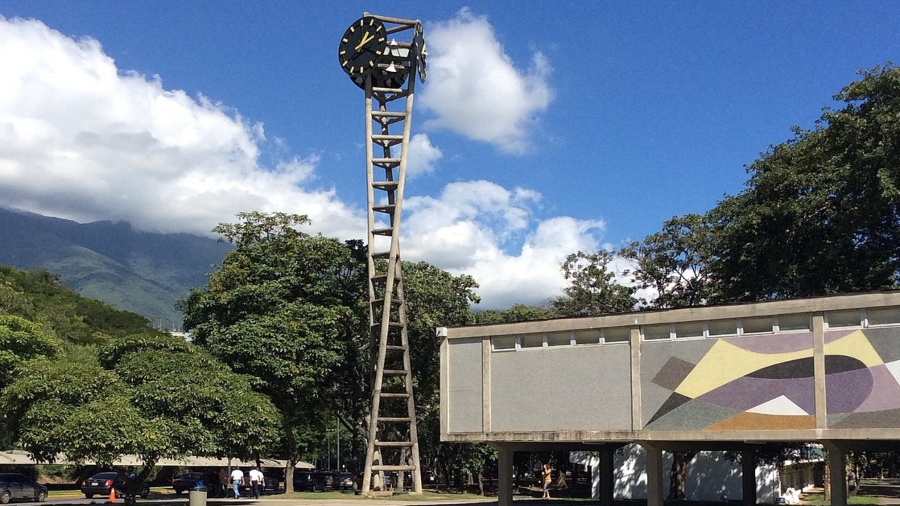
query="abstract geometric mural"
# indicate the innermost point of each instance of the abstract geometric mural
(767, 382)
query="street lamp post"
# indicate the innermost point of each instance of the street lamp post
(328, 442)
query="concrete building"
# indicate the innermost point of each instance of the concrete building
(709, 378)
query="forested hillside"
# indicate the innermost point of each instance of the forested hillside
(40, 297)
(137, 271)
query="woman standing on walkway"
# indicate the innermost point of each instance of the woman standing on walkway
(546, 478)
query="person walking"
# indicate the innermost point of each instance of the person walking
(257, 480)
(237, 479)
(223, 483)
(546, 478)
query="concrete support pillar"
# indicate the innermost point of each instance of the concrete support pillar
(607, 454)
(504, 477)
(654, 475)
(836, 457)
(748, 478)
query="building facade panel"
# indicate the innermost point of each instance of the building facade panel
(465, 386)
(561, 388)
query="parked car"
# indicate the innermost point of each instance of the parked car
(327, 479)
(272, 482)
(188, 481)
(103, 483)
(308, 481)
(344, 481)
(15, 486)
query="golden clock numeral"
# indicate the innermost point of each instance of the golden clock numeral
(371, 63)
(344, 64)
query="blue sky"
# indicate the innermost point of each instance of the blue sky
(543, 128)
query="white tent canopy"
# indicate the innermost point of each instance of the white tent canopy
(20, 457)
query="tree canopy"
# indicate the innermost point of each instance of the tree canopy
(125, 389)
(821, 212)
(282, 307)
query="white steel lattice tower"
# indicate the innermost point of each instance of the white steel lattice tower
(377, 58)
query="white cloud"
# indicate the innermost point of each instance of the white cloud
(84, 140)
(464, 231)
(80, 139)
(422, 156)
(475, 89)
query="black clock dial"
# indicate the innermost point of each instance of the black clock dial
(361, 47)
(420, 51)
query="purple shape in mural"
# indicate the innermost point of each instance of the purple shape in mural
(846, 391)
(885, 392)
(748, 392)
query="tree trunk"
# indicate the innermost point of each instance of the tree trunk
(480, 484)
(678, 474)
(826, 479)
(293, 454)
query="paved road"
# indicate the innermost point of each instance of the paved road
(273, 500)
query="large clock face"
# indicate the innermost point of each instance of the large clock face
(361, 46)
(420, 52)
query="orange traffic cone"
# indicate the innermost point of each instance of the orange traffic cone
(112, 495)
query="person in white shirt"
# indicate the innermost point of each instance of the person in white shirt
(237, 479)
(257, 480)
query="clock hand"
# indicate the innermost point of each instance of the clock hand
(366, 38)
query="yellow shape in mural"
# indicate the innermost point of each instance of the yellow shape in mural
(725, 362)
(857, 346)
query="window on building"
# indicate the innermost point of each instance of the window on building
(657, 332)
(688, 329)
(559, 339)
(617, 335)
(839, 319)
(789, 322)
(501, 343)
(587, 336)
(531, 341)
(718, 328)
(883, 316)
(757, 325)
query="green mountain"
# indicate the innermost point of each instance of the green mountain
(142, 272)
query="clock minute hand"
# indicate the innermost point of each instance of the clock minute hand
(366, 38)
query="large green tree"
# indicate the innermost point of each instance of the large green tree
(283, 307)
(673, 263)
(593, 288)
(22, 340)
(821, 212)
(144, 395)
